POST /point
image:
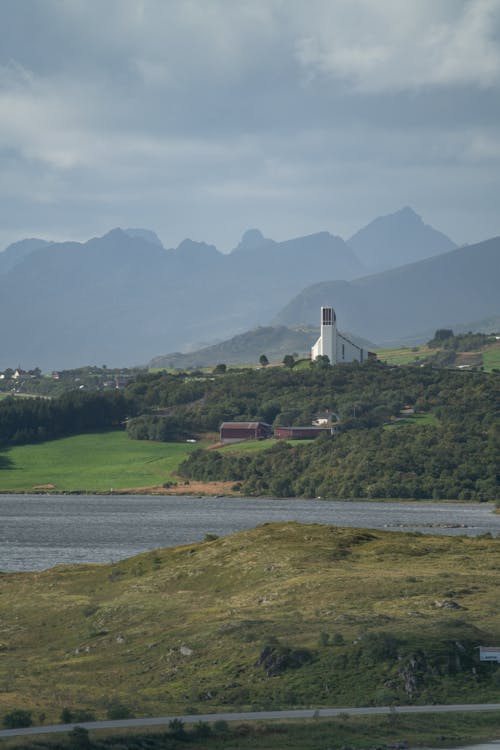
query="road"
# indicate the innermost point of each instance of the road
(306, 713)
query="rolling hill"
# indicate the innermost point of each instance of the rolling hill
(283, 615)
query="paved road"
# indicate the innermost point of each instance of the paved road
(306, 713)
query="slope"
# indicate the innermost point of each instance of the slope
(283, 615)
(413, 300)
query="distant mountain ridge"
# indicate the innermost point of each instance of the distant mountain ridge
(449, 289)
(122, 298)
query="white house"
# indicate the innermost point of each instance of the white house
(333, 344)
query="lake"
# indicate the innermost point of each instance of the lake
(39, 531)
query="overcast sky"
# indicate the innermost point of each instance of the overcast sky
(202, 118)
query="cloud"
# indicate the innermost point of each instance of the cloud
(203, 117)
(386, 45)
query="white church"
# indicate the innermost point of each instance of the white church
(334, 345)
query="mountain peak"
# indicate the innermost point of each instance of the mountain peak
(252, 238)
(396, 239)
(144, 234)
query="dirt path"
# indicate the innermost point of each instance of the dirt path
(193, 488)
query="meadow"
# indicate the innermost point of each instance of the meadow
(91, 462)
(282, 615)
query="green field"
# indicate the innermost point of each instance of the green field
(491, 358)
(404, 355)
(415, 420)
(255, 446)
(98, 462)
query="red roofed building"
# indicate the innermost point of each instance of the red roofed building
(231, 432)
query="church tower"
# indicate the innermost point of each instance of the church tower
(326, 345)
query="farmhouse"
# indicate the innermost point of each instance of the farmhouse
(232, 432)
(334, 345)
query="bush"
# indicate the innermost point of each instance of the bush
(118, 710)
(17, 719)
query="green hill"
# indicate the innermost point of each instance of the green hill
(245, 348)
(283, 615)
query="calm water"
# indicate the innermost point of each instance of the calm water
(38, 531)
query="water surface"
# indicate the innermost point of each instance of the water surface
(39, 531)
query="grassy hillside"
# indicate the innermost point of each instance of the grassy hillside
(96, 462)
(282, 615)
(486, 358)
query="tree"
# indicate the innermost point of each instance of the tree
(288, 360)
(177, 730)
(220, 369)
(79, 738)
(263, 360)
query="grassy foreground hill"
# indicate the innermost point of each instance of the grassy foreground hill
(283, 615)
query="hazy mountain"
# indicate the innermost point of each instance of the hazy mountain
(397, 239)
(246, 348)
(449, 289)
(145, 234)
(122, 298)
(18, 251)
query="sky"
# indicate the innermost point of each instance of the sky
(203, 118)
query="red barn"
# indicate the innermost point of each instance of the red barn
(231, 432)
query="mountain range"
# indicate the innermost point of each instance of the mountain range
(122, 299)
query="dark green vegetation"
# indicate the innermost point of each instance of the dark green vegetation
(438, 730)
(33, 420)
(450, 451)
(282, 615)
(452, 455)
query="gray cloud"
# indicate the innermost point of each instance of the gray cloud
(204, 117)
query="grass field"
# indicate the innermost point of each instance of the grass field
(415, 420)
(256, 446)
(97, 462)
(491, 358)
(404, 355)
(364, 613)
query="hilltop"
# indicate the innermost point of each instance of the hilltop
(282, 615)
